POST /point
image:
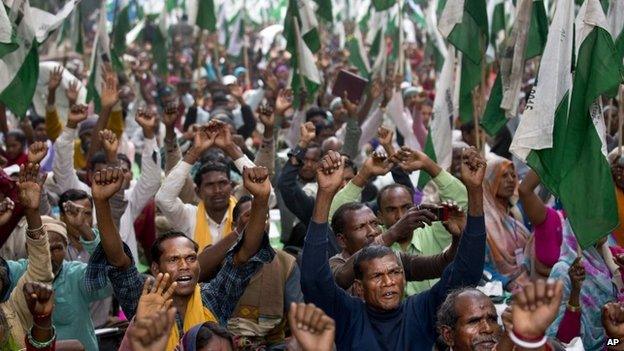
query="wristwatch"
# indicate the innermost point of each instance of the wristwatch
(298, 153)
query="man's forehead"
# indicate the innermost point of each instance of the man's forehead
(361, 215)
(177, 246)
(396, 196)
(473, 303)
(383, 264)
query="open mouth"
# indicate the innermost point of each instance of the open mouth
(184, 280)
(389, 294)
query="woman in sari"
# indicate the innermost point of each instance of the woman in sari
(507, 236)
(598, 288)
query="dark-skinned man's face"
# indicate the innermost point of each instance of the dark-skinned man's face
(360, 230)
(477, 328)
(394, 203)
(382, 283)
(215, 190)
(179, 259)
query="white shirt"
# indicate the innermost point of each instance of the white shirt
(183, 217)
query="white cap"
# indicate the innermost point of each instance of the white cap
(229, 79)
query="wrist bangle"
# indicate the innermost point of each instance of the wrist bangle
(573, 308)
(39, 344)
(527, 344)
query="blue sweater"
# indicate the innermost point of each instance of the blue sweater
(409, 327)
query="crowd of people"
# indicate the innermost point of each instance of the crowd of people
(213, 208)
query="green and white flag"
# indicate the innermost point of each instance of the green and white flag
(615, 17)
(8, 41)
(498, 23)
(45, 23)
(160, 45)
(99, 56)
(538, 31)
(301, 32)
(121, 27)
(546, 111)
(357, 52)
(202, 14)
(586, 188)
(19, 68)
(439, 139)
(464, 24)
(134, 33)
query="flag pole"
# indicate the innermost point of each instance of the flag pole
(246, 49)
(620, 119)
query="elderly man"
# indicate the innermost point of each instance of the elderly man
(383, 319)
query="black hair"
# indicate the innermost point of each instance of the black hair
(18, 135)
(36, 121)
(368, 253)
(156, 250)
(447, 313)
(390, 187)
(315, 111)
(208, 331)
(237, 207)
(467, 127)
(211, 167)
(73, 195)
(5, 280)
(97, 158)
(349, 164)
(124, 158)
(338, 222)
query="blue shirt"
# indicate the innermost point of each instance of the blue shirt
(72, 296)
(412, 325)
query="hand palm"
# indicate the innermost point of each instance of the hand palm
(146, 122)
(43, 308)
(36, 155)
(329, 181)
(72, 95)
(111, 145)
(472, 178)
(30, 194)
(149, 303)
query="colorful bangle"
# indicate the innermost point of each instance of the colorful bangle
(41, 345)
(572, 308)
(527, 344)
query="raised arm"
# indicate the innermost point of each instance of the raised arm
(52, 120)
(317, 281)
(167, 196)
(256, 181)
(108, 99)
(531, 203)
(105, 184)
(467, 267)
(63, 166)
(266, 155)
(39, 268)
(353, 131)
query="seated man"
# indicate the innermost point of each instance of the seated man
(15, 274)
(356, 227)
(395, 200)
(467, 320)
(211, 220)
(383, 319)
(175, 255)
(71, 317)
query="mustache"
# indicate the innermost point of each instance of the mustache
(488, 338)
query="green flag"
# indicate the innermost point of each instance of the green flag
(202, 14)
(538, 30)
(301, 32)
(19, 68)
(464, 24)
(8, 40)
(586, 188)
(357, 52)
(381, 5)
(438, 146)
(121, 27)
(324, 10)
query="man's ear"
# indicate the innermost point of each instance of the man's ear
(340, 239)
(154, 269)
(358, 288)
(447, 335)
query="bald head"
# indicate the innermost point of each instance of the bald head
(331, 143)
